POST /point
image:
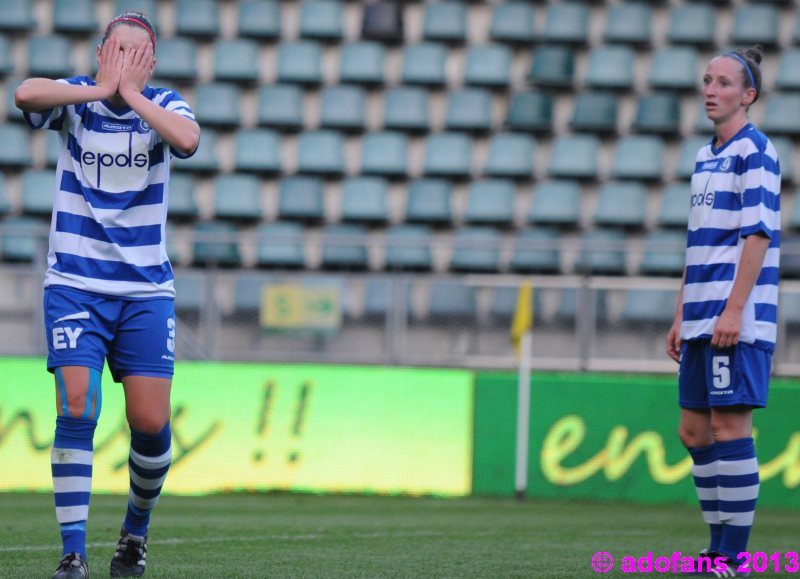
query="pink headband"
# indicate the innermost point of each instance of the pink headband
(134, 21)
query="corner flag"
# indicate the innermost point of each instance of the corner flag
(523, 316)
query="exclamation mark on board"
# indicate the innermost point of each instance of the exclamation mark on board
(263, 418)
(303, 399)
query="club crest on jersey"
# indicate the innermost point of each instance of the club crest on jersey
(142, 126)
(725, 165)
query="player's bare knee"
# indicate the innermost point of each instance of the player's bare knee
(151, 424)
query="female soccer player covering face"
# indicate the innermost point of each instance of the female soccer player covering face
(724, 331)
(109, 284)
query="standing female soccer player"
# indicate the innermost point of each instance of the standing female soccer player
(109, 285)
(724, 331)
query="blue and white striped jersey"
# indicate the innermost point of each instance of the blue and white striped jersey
(735, 193)
(110, 203)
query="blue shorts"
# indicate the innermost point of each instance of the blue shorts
(710, 377)
(84, 329)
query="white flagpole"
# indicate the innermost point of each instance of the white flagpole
(523, 414)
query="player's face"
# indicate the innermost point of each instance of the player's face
(129, 37)
(724, 93)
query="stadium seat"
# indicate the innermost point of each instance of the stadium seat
(621, 204)
(406, 109)
(536, 251)
(674, 68)
(190, 295)
(530, 111)
(300, 199)
(692, 24)
(74, 16)
(789, 309)
(595, 112)
(236, 60)
(755, 24)
(445, 22)
(182, 205)
(247, 294)
(50, 56)
(488, 66)
(428, 202)
(321, 20)
(22, 239)
(452, 302)
(15, 147)
(649, 306)
(702, 124)
(664, 253)
(257, 151)
(448, 155)
(469, 110)
(687, 157)
(793, 222)
(361, 63)
(205, 159)
(12, 112)
(344, 247)
(342, 106)
(510, 156)
(381, 297)
(513, 23)
(198, 18)
(476, 250)
(177, 59)
(173, 253)
(300, 62)
(610, 67)
(383, 21)
(280, 107)
(321, 153)
(148, 7)
(785, 148)
(6, 62)
(504, 305)
(237, 197)
(566, 23)
(280, 245)
(424, 64)
(638, 157)
(629, 23)
(674, 209)
(574, 157)
(217, 105)
(384, 154)
(788, 77)
(790, 258)
(553, 67)
(259, 19)
(5, 204)
(17, 15)
(602, 252)
(658, 113)
(782, 114)
(365, 201)
(490, 202)
(796, 33)
(570, 304)
(215, 244)
(408, 248)
(556, 203)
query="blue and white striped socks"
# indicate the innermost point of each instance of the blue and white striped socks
(706, 482)
(148, 465)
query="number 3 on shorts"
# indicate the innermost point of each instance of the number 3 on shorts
(721, 370)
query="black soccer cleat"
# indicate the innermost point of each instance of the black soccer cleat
(131, 556)
(72, 566)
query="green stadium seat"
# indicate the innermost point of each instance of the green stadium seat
(205, 159)
(445, 22)
(595, 112)
(22, 239)
(236, 60)
(469, 110)
(74, 16)
(674, 68)
(361, 63)
(674, 210)
(789, 309)
(649, 307)
(785, 148)
(344, 247)
(190, 294)
(574, 157)
(237, 197)
(513, 22)
(198, 18)
(5, 204)
(217, 105)
(692, 24)
(6, 61)
(50, 56)
(384, 154)
(321, 153)
(215, 244)
(408, 248)
(452, 302)
(300, 199)
(257, 151)
(17, 15)
(788, 77)
(553, 66)
(536, 251)
(173, 254)
(510, 156)
(280, 107)
(428, 202)
(796, 33)
(571, 302)
(638, 157)
(621, 204)
(280, 245)
(12, 112)
(182, 205)
(566, 23)
(659, 113)
(148, 7)
(382, 21)
(259, 19)
(476, 250)
(610, 67)
(702, 124)
(782, 114)
(15, 146)
(530, 111)
(629, 23)
(448, 155)
(424, 64)
(321, 20)
(177, 59)
(300, 62)
(380, 296)
(755, 24)
(664, 253)
(406, 109)
(687, 158)
(602, 252)
(556, 203)
(247, 294)
(790, 258)
(342, 106)
(365, 201)
(490, 202)
(793, 222)
(488, 66)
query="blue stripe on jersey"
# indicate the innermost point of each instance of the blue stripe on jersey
(121, 236)
(156, 156)
(112, 270)
(710, 272)
(754, 197)
(713, 237)
(758, 161)
(727, 200)
(760, 227)
(71, 469)
(100, 123)
(703, 310)
(768, 276)
(766, 312)
(150, 195)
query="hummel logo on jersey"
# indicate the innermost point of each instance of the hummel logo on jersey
(107, 126)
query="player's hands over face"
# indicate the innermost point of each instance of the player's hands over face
(137, 67)
(726, 332)
(109, 66)
(674, 341)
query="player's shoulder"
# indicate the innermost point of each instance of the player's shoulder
(756, 139)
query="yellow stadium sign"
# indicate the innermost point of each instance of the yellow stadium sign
(301, 307)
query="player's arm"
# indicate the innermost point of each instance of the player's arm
(674, 334)
(181, 133)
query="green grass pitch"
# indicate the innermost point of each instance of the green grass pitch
(297, 536)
